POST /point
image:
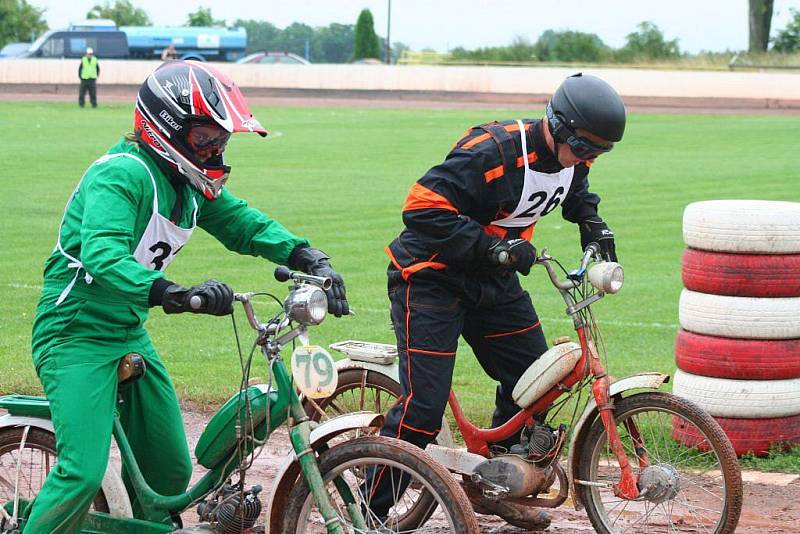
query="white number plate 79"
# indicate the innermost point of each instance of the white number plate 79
(313, 371)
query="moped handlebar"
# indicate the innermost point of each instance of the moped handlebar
(282, 274)
(574, 277)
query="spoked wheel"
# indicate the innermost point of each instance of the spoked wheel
(27, 455)
(357, 390)
(361, 389)
(695, 488)
(350, 461)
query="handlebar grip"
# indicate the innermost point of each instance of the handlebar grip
(196, 302)
(282, 273)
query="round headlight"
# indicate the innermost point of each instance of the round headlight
(607, 276)
(307, 305)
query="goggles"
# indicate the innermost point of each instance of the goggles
(582, 148)
(207, 138)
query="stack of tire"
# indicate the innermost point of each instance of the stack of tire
(738, 347)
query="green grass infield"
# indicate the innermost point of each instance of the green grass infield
(340, 176)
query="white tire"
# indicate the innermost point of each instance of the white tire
(739, 317)
(739, 399)
(745, 226)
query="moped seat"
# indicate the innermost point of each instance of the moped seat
(131, 368)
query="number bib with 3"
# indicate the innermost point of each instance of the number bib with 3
(313, 371)
(160, 242)
(162, 239)
(541, 193)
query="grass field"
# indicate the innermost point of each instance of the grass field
(340, 176)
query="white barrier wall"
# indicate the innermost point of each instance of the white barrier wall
(503, 80)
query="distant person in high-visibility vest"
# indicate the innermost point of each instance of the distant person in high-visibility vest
(88, 71)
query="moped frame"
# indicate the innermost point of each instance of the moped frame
(157, 508)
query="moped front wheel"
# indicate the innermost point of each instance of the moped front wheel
(363, 389)
(684, 487)
(26, 458)
(352, 460)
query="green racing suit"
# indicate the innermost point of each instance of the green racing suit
(94, 302)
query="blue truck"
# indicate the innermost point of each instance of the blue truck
(140, 42)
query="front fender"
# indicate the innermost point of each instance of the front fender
(290, 468)
(119, 504)
(639, 381)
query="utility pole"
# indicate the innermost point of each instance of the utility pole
(388, 34)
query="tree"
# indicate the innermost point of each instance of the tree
(760, 22)
(261, 35)
(788, 39)
(202, 17)
(397, 50)
(648, 42)
(122, 12)
(293, 39)
(334, 44)
(366, 40)
(570, 46)
(19, 21)
(519, 51)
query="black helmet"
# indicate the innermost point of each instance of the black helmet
(587, 102)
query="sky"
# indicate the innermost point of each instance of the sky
(714, 25)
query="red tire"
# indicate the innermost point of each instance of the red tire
(757, 436)
(741, 275)
(739, 359)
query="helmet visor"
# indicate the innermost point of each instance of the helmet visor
(582, 148)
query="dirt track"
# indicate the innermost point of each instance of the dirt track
(771, 504)
(420, 100)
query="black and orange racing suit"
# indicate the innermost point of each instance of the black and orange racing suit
(441, 284)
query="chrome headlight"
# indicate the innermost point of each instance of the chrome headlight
(607, 276)
(307, 304)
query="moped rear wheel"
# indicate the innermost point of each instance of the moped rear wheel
(350, 461)
(695, 488)
(34, 454)
(356, 390)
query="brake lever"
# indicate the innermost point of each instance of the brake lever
(592, 249)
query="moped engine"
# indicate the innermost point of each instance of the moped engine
(512, 476)
(231, 511)
(540, 444)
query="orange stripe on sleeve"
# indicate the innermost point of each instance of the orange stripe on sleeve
(421, 198)
(476, 140)
(495, 230)
(493, 174)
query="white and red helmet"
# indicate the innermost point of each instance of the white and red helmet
(180, 96)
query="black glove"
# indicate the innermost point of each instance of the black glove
(213, 298)
(517, 254)
(594, 230)
(315, 262)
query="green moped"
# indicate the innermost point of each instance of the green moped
(320, 488)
